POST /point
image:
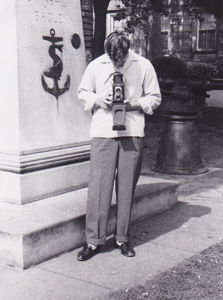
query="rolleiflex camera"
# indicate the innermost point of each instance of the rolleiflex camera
(118, 107)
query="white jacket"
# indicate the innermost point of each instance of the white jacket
(140, 83)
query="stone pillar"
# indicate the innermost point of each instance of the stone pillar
(44, 141)
(44, 131)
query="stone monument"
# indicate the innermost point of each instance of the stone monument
(44, 141)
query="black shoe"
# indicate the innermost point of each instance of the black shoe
(126, 249)
(87, 252)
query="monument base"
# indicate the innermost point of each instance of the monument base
(37, 231)
(30, 177)
(33, 186)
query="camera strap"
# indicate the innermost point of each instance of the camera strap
(114, 73)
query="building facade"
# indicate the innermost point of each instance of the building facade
(181, 35)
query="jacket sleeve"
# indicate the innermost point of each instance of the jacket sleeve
(86, 91)
(151, 98)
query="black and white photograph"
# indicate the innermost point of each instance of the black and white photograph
(111, 149)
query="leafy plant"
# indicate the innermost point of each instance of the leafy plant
(175, 68)
(137, 12)
(200, 69)
(170, 67)
(218, 68)
(195, 7)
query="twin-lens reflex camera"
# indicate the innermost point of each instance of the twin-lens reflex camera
(118, 107)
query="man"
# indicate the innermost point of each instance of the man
(116, 155)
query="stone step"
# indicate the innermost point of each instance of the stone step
(37, 231)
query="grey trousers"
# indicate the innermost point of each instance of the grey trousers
(116, 160)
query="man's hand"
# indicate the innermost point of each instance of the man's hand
(132, 105)
(104, 102)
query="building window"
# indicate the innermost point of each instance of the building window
(165, 40)
(165, 28)
(113, 25)
(207, 32)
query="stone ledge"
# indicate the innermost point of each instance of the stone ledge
(41, 159)
(34, 232)
(34, 186)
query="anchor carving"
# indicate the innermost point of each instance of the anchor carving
(56, 70)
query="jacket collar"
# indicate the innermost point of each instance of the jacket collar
(131, 58)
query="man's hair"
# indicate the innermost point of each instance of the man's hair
(117, 46)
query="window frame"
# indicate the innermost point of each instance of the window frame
(199, 30)
(165, 31)
(110, 22)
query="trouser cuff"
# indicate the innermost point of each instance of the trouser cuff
(121, 239)
(95, 241)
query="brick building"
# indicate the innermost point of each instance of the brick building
(181, 36)
(176, 34)
(87, 19)
(189, 38)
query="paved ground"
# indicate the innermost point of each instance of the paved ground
(160, 242)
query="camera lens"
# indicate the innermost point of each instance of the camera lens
(118, 94)
(118, 90)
